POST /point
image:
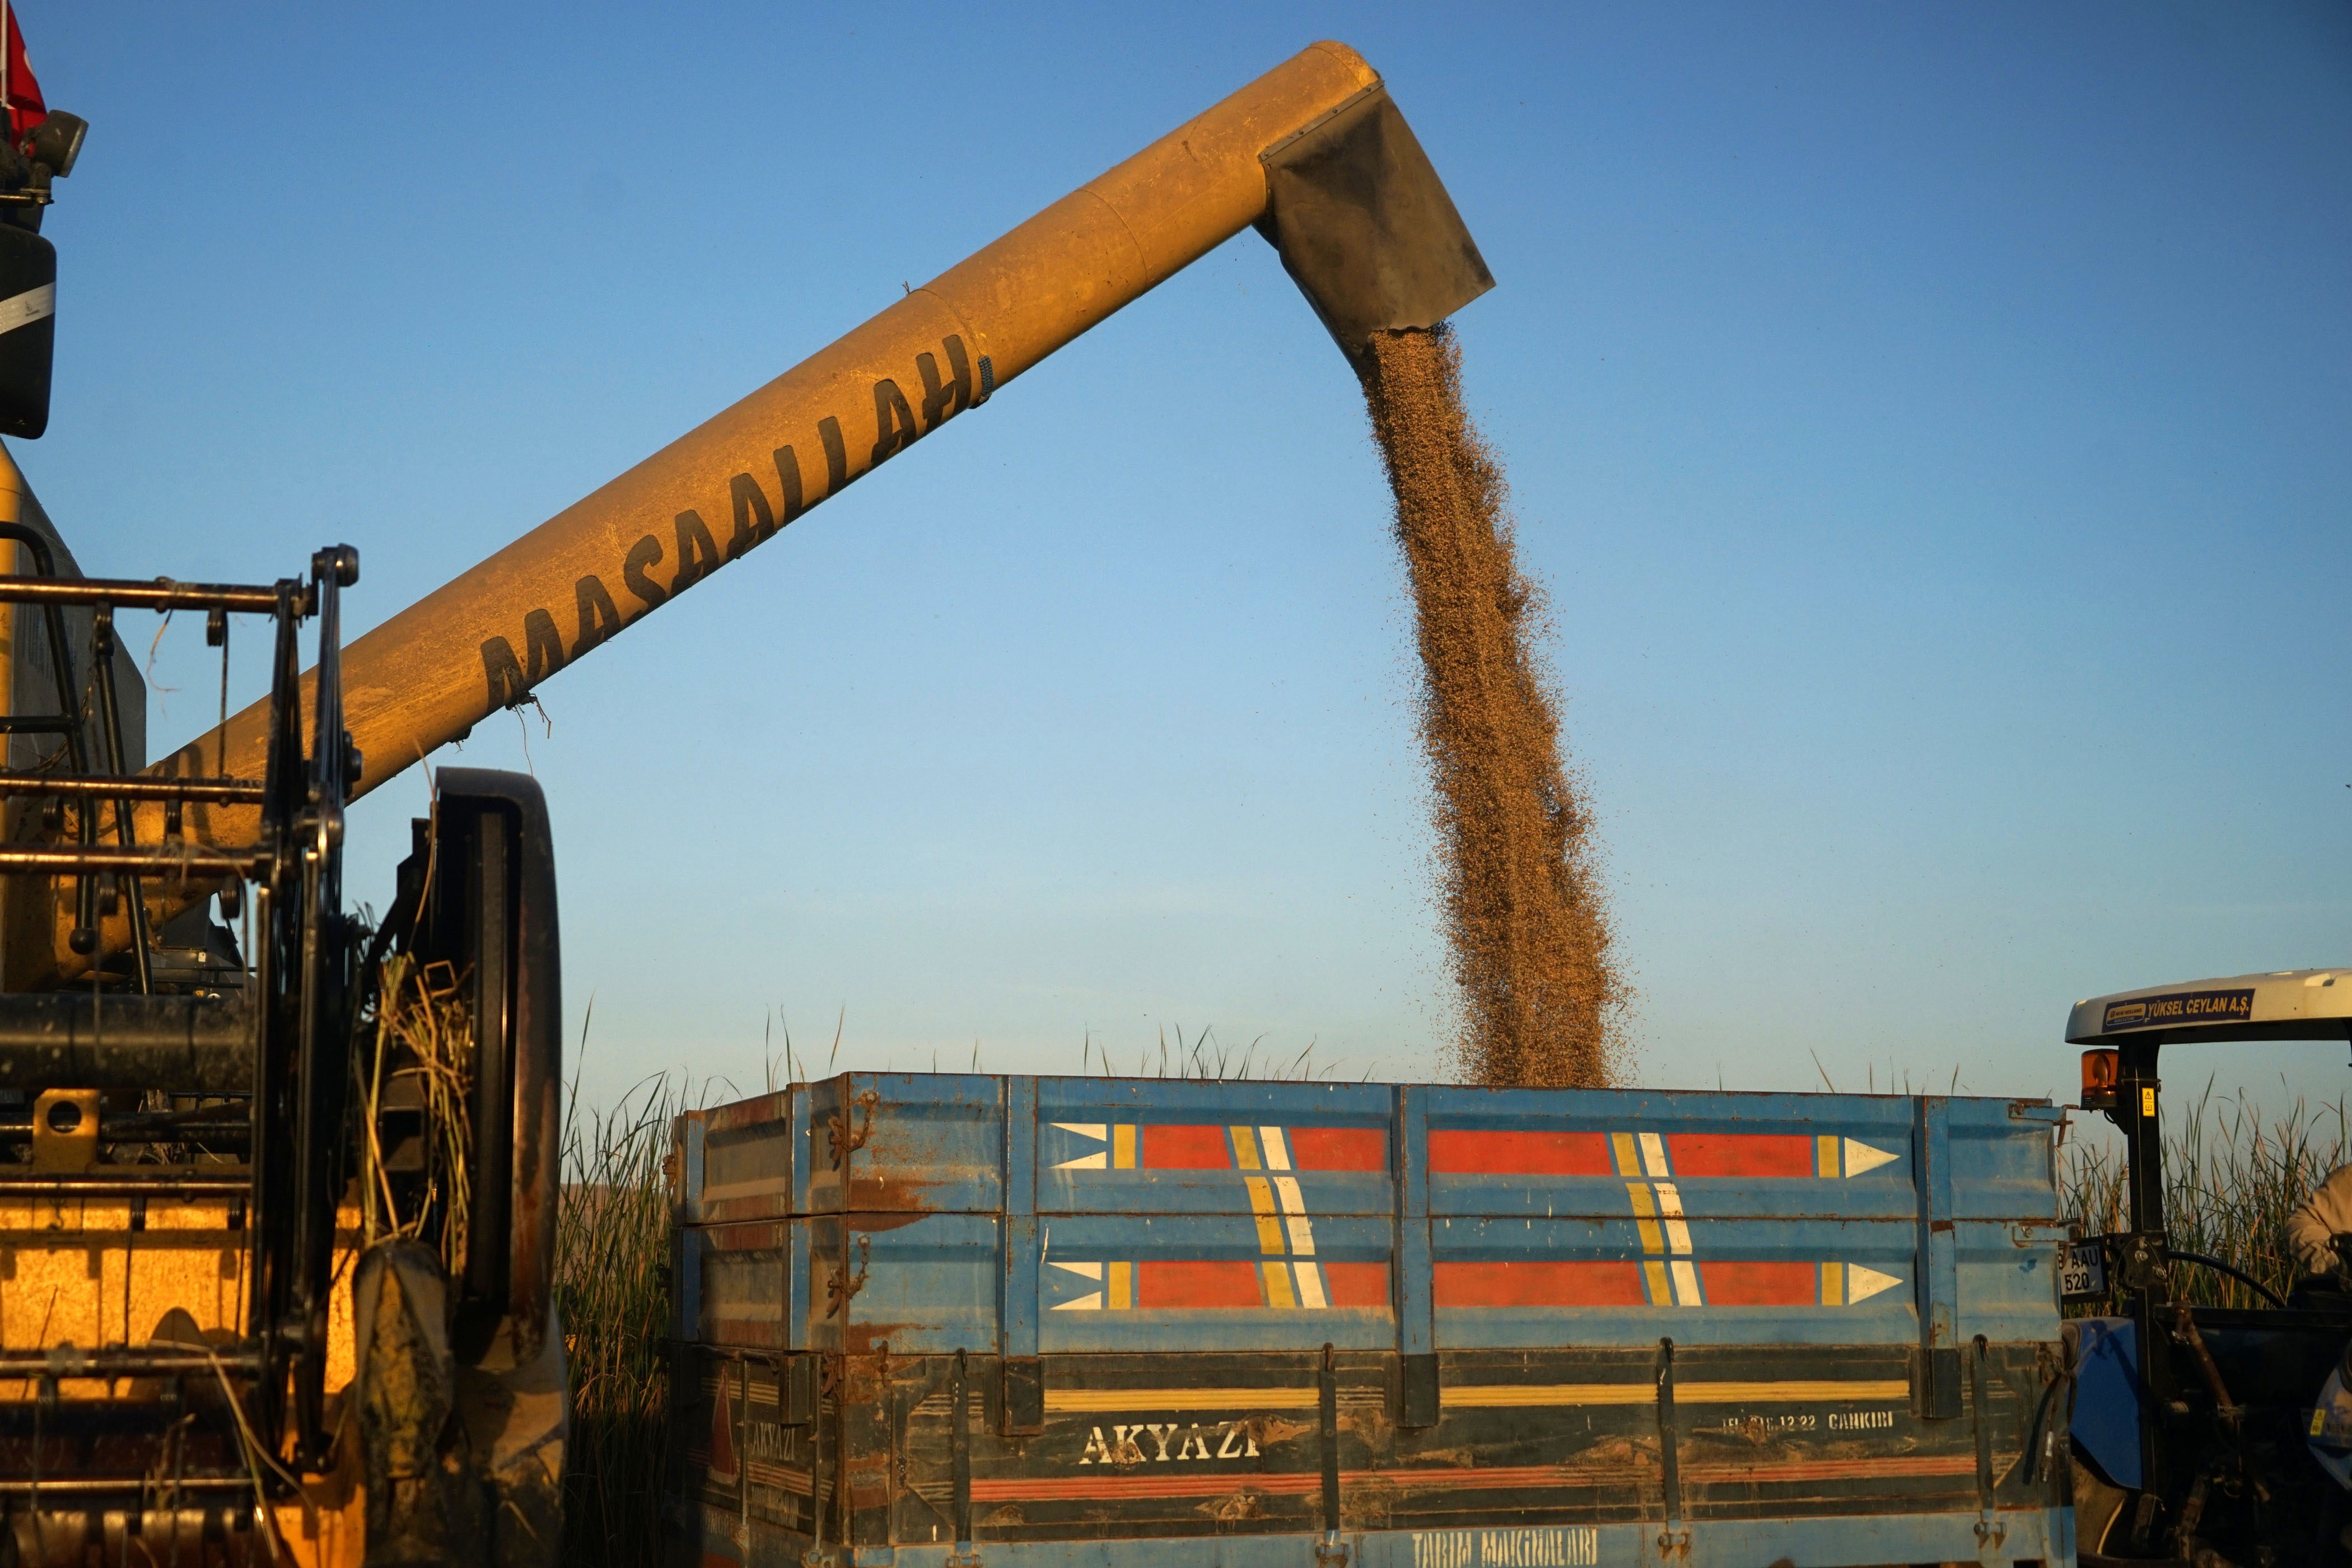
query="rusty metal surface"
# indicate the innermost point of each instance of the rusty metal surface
(1171, 1447)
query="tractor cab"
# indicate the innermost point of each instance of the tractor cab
(2193, 1425)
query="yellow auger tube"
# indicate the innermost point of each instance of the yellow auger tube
(480, 643)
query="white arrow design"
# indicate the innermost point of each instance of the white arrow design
(1862, 1284)
(1860, 1157)
(1100, 1159)
(1093, 1303)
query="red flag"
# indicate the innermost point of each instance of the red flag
(26, 109)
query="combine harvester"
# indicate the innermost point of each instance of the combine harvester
(277, 1280)
(937, 1319)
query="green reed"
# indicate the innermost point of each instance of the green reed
(2230, 1180)
(612, 1284)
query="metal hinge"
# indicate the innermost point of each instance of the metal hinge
(846, 1141)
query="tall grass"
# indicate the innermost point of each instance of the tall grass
(1206, 1059)
(2230, 1180)
(611, 1272)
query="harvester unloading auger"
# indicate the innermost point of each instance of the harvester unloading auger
(407, 1404)
(1314, 155)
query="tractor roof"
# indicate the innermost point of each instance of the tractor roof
(2285, 1005)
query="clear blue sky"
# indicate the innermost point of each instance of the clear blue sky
(1933, 423)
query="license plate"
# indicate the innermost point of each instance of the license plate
(2082, 1271)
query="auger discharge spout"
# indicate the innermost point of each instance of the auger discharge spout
(1313, 153)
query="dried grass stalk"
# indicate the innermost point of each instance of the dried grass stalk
(424, 1028)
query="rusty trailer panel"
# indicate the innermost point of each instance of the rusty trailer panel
(1104, 1322)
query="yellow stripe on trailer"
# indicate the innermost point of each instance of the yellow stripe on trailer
(1516, 1395)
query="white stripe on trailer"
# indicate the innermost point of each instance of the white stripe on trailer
(1685, 1277)
(1670, 1205)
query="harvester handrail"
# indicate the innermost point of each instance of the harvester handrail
(108, 786)
(160, 594)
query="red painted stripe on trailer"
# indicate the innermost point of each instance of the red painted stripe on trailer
(1186, 1149)
(1538, 1282)
(1467, 1150)
(1740, 1154)
(1162, 1283)
(1930, 1465)
(1338, 1148)
(1357, 1284)
(1517, 1475)
(1111, 1485)
(1761, 1284)
(1924, 1466)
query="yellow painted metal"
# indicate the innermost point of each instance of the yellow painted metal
(427, 675)
(74, 1272)
(1065, 1401)
(64, 1130)
(1518, 1396)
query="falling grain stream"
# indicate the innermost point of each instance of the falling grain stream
(1525, 914)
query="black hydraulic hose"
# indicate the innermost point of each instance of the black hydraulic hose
(2239, 1275)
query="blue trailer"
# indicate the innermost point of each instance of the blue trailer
(945, 1321)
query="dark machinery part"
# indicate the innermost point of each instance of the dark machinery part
(2225, 1396)
(1364, 225)
(215, 1082)
(225, 1054)
(474, 902)
(28, 268)
(197, 1044)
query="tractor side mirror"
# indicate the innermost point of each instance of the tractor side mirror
(2100, 1069)
(28, 308)
(56, 141)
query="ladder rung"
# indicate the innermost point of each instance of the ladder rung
(230, 792)
(159, 594)
(153, 1361)
(200, 860)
